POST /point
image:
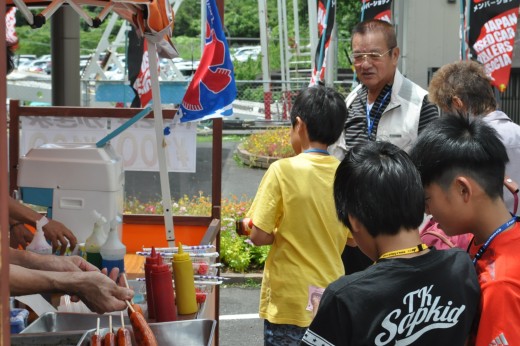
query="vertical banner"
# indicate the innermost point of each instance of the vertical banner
(134, 59)
(326, 17)
(212, 89)
(492, 37)
(376, 9)
(143, 82)
(10, 27)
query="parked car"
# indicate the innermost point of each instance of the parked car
(24, 59)
(247, 52)
(231, 123)
(35, 66)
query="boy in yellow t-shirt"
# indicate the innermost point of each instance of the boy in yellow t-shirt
(294, 211)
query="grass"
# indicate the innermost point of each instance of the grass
(227, 138)
(248, 283)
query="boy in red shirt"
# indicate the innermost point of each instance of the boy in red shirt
(462, 163)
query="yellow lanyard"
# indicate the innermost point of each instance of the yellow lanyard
(407, 251)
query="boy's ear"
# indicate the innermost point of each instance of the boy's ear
(354, 223)
(464, 187)
(300, 125)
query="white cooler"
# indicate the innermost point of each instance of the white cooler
(71, 180)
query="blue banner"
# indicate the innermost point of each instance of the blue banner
(212, 89)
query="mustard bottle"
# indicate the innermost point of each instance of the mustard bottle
(185, 298)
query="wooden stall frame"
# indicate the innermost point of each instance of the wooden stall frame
(4, 225)
(212, 222)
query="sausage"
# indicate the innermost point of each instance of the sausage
(123, 337)
(142, 333)
(109, 339)
(95, 340)
(137, 308)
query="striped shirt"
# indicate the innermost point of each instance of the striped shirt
(356, 127)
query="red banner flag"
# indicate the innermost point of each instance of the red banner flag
(376, 9)
(10, 27)
(326, 17)
(492, 37)
(143, 83)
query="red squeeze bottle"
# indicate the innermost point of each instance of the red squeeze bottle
(153, 259)
(163, 297)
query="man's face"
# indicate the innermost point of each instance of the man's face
(374, 73)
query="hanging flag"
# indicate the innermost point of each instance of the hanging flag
(376, 9)
(143, 82)
(492, 29)
(463, 37)
(326, 16)
(134, 60)
(212, 89)
(10, 27)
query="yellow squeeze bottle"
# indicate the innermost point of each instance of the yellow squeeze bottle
(185, 298)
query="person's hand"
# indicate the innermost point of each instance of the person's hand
(114, 276)
(67, 264)
(58, 234)
(19, 236)
(242, 226)
(100, 293)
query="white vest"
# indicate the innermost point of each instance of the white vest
(399, 123)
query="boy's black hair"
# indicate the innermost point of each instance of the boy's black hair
(459, 144)
(324, 112)
(378, 184)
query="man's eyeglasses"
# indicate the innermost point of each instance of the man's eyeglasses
(359, 58)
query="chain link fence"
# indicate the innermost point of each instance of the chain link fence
(255, 95)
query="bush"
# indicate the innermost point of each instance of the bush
(236, 252)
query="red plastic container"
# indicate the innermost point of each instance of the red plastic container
(153, 259)
(163, 296)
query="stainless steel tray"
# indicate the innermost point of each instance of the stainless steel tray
(47, 339)
(70, 321)
(62, 328)
(178, 333)
(75, 329)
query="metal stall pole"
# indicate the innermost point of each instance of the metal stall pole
(160, 141)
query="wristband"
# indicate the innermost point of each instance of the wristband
(42, 222)
(250, 224)
(15, 225)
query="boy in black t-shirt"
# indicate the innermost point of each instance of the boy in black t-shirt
(412, 295)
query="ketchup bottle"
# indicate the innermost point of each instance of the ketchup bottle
(153, 259)
(162, 296)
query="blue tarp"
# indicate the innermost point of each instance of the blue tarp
(172, 92)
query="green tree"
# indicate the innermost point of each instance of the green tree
(38, 41)
(240, 21)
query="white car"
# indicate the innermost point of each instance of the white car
(245, 53)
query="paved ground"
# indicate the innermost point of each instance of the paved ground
(239, 322)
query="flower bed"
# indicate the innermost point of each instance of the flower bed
(263, 148)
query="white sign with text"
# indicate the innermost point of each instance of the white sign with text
(136, 145)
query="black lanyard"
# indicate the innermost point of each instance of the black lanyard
(499, 230)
